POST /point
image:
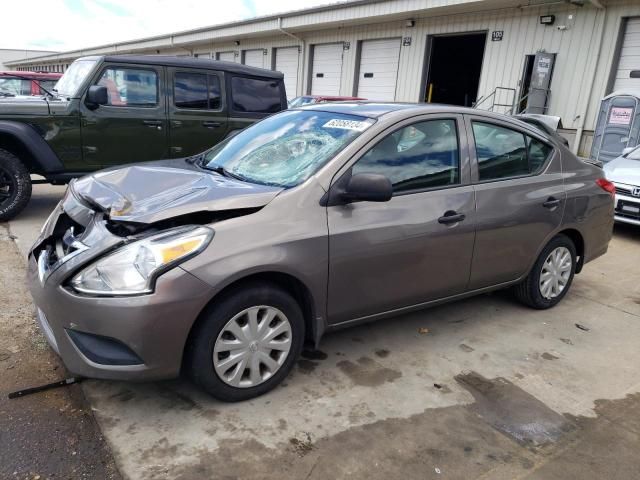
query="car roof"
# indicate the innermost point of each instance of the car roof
(191, 62)
(372, 109)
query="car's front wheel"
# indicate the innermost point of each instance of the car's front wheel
(246, 343)
(15, 185)
(551, 276)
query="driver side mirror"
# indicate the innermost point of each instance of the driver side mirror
(96, 96)
(368, 187)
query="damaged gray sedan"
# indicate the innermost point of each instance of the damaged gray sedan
(224, 264)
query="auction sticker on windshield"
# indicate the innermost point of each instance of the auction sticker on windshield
(347, 124)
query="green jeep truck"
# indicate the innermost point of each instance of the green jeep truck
(112, 110)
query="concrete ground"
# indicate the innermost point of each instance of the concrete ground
(481, 388)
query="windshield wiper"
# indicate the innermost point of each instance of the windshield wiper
(220, 170)
(37, 83)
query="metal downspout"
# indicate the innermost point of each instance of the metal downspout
(304, 51)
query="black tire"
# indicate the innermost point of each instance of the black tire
(528, 292)
(15, 185)
(200, 351)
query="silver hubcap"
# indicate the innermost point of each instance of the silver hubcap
(252, 346)
(556, 271)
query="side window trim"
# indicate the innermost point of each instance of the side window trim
(207, 74)
(463, 151)
(158, 73)
(473, 157)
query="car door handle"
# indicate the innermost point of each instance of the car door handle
(451, 216)
(551, 202)
(152, 123)
(211, 124)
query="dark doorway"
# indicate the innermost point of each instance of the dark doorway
(453, 74)
(525, 84)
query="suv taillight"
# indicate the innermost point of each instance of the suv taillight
(607, 186)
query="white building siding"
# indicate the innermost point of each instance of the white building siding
(584, 39)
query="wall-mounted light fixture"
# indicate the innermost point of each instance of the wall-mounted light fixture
(547, 19)
(236, 43)
(410, 23)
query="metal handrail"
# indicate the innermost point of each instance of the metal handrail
(492, 95)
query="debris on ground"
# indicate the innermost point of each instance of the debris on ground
(302, 447)
(582, 327)
(423, 330)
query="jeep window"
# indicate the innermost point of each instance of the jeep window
(256, 95)
(285, 149)
(74, 77)
(130, 87)
(196, 91)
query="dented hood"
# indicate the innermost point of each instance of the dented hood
(150, 193)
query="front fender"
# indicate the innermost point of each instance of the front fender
(43, 159)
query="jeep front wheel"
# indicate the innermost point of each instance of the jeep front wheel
(15, 185)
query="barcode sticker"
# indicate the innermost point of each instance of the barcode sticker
(347, 124)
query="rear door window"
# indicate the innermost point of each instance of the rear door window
(196, 91)
(506, 153)
(255, 95)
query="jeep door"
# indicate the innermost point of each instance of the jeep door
(197, 110)
(520, 198)
(132, 126)
(416, 247)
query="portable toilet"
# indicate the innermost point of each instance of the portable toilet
(618, 125)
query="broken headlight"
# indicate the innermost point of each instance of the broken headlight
(132, 269)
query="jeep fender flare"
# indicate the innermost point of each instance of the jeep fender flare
(43, 159)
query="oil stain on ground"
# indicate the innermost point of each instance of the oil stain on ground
(514, 412)
(367, 372)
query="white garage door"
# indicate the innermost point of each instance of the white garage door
(227, 56)
(327, 69)
(629, 56)
(287, 63)
(379, 69)
(254, 58)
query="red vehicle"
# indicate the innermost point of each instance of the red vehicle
(13, 84)
(311, 99)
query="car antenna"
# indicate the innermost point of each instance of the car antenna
(48, 386)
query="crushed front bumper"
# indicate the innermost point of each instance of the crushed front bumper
(121, 338)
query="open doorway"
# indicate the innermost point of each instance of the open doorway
(525, 83)
(454, 66)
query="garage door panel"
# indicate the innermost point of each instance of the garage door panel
(327, 69)
(629, 56)
(254, 58)
(378, 71)
(227, 56)
(287, 59)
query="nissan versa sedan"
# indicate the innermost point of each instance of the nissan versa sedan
(223, 264)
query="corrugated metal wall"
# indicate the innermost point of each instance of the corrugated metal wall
(584, 61)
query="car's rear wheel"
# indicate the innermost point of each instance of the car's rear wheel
(551, 276)
(246, 343)
(15, 185)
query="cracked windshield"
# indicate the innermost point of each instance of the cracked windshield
(286, 149)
